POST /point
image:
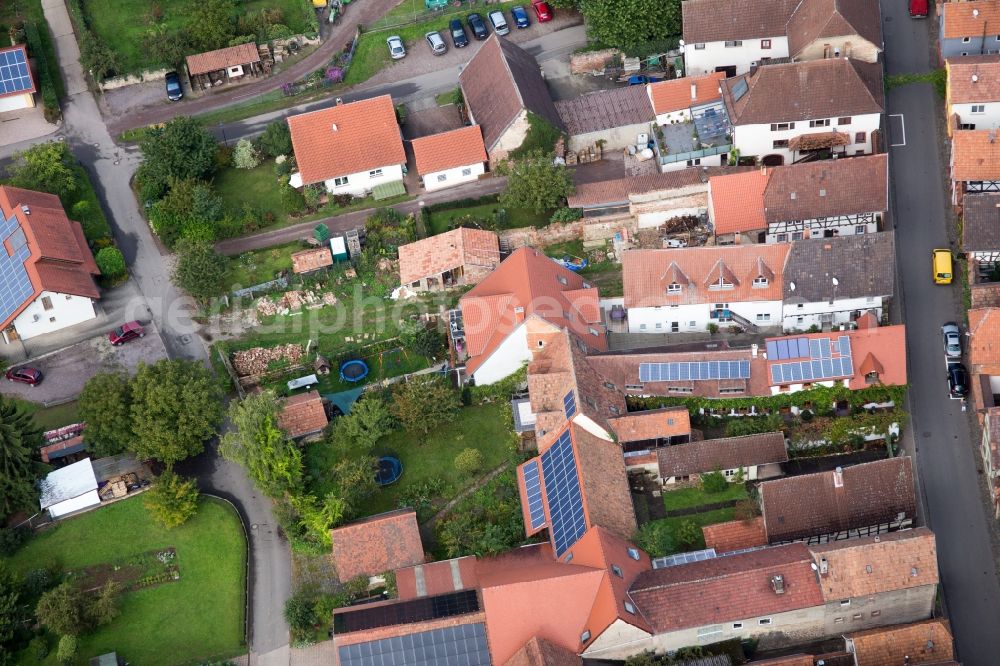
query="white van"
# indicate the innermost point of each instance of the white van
(499, 23)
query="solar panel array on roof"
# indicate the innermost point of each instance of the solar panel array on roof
(569, 404)
(740, 88)
(562, 491)
(15, 286)
(785, 348)
(464, 645)
(14, 75)
(533, 490)
(693, 371)
(684, 558)
(827, 359)
(406, 612)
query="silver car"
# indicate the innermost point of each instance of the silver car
(498, 22)
(438, 47)
(952, 340)
(396, 48)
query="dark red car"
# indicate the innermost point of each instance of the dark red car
(29, 376)
(126, 333)
(542, 11)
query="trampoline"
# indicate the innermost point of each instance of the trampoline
(353, 371)
(389, 470)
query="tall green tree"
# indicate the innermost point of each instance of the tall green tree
(627, 23)
(425, 402)
(105, 405)
(46, 167)
(176, 406)
(20, 438)
(269, 455)
(354, 480)
(180, 149)
(172, 500)
(368, 422)
(10, 594)
(104, 607)
(535, 182)
(200, 270)
(188, 210)
(63, 609)
(276, 139)
(318, 517)
(211, 24)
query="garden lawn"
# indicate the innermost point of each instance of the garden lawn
(516, 217)
(259, 266)
(257, 187)
(194, 619)
(700, 520)
(606, 275)
(380, 366)
(424, 457)
(50, 418)
(122, 24)
(689, 497)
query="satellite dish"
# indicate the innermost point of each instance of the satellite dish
(835, 282)
(791, 285)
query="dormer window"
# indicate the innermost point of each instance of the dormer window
(673, 288)
(634, 552)
(585, 636)
(760, 282)
(562, 280)
(872, 377)
(721, 283)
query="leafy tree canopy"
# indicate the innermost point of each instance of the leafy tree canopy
(535, 182)
(368, 422)
(211, 24)
(189, 207)
(10, 593)
(172, 500)
(200, 270)
(105, 406)
(424, 403)
(63, 609)
(20, 438)
(180, 149)
(271, 458)
(110, 262)
(46, 167)
(276, 139)
(626, 23)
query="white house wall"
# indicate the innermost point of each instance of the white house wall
(814, 229)
(693, 318)
(361, 183)
(655, 219)
(506, 359)
(988, 119)
(795, 388)
(674, 117)
(615, 138)
(452, 177)
(616, 637)
(84, 501)
(67, 310)
(758, 139)
(801, 316)
(716, 54)
(15, 102)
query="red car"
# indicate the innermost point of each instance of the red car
(126, 333)
(918, 8)
(542, 11)
(29, 376)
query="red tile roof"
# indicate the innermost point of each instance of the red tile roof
(381, 543)
(975, 154)
(302, 414)
(969, 19)
(973, 79)
(737, 201)
(449, 150)
(534, 284)
(460, 247)
(815, 19)
(211, 61)
(928, 642)
(540, 652)
(735, 535)
(984, 337)
(724, 20)
(866, 494)
(33, 89)
(726, 453)
(886, 346)
(724, 589)
(652, 424)
(620, 190)
(647, 273)
(345, 139)
(311, 260)
(434, 578)
(60, 259)
(827, 188)
(675, 95)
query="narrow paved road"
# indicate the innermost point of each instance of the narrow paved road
(945, 451)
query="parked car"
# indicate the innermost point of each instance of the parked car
(438, 47)
(25, 375)
(952, 340)
(958, 380)
(639, 80)
(173, 81)
(542, 11)
(918, 8)
(396, 48)
(479, 29)
(520, 15)
(126, 333)
(674, 243)
(458, 35)
(498, 22)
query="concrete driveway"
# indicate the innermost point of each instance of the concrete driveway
(946, 454)
(24, 125)
(67, 370)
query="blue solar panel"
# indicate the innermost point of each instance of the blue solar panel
(569, 404)
(845, 345)
(693, 371)
(772, 349)
(803, 348)
(782, 349)
(533, 491)
(464, 645)
(562, 492)
(814, 348)
(824, 347)
(15, 286)
(14, 74)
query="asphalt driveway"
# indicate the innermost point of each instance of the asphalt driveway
(67, 370)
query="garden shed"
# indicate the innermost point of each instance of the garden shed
(339, 249)
(69, 489)
(227, 65)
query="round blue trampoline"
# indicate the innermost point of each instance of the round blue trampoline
(353, 371)
(389, 470)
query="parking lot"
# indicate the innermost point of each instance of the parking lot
(67, 370)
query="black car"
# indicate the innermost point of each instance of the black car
(958, 380)
(174, 92)
(478, 26)
(458, 35)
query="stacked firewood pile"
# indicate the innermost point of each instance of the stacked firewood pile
(256, 361)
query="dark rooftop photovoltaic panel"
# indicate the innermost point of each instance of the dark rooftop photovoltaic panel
(569, 404)
(562, 491)
(827, 359)
(15, 286)
(740, 88)
(406, 612)
(14, 74)
(693, 371)
(533, 491)
(464, 645)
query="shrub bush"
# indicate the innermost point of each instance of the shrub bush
(469, 462)
(566, 215)
(276, 139)
(110, 262)
(66, 653)
(714, 482)
(655, 538)
(245, 155)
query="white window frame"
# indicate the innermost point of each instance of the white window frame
(340, 181)
(674, 288)
(441, 177)
(764, 622)
(733, 43)
(699, 47)
(467, 171)
(760, 282)
(966, 40)
(822, 122)
(978, 108)
(375, 173)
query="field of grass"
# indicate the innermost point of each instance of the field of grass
(699, 520)
(483, 427)
(122, 24)
(50, 418)
(441, 220)
(197, 618)
(689, 497)
(257, 187)
(260, 266)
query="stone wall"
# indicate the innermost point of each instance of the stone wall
(132, 79)
(592, 62)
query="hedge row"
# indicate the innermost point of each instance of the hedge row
(47, 77)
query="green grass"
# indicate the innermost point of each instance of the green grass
(122, 24)
(688, 497)
(699, 520)
(50, 418)
(937, 78)
(449, 97)
(95, 225)
(257, 187)
(271, 101)
(606, 275)
(516, 217)
(259, 266)
(194, 619)
(379, 367)
(483, 427)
